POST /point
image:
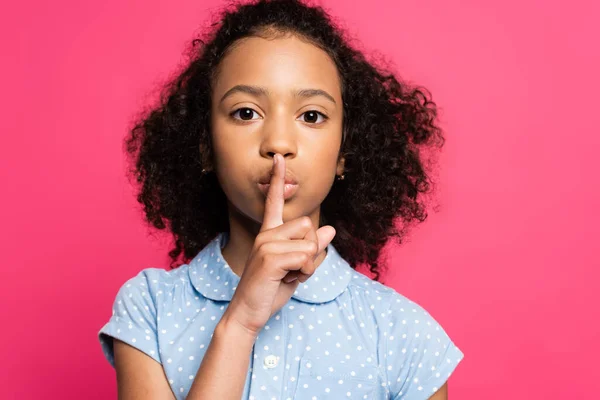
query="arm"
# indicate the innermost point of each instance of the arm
(222, 373)
(139, 377)
(441, 394)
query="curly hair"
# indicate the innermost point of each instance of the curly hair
(387, 124)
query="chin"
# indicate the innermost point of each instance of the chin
(254, 210)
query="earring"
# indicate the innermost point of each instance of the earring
(340, 177)
(204, 171)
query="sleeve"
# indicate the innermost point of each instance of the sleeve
(418, 354)
(133, 319)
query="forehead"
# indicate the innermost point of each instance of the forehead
(278, 64)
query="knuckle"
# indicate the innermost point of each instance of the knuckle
(312, 268)
(306, 264)
(303, 261)
(306, 222)
(263, 250)
(259, 240)
(312, 248)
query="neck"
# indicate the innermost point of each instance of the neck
(242, 234)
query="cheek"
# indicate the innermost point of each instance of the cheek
(228, 152)
(326, 156)
(322, 169)
(232, 166)
(229, 169)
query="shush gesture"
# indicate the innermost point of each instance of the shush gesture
(283, 255)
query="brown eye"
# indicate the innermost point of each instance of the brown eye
(245, 113)
(312, 117)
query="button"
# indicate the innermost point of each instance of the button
(271, 361)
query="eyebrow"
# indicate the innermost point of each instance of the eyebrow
(258, 91)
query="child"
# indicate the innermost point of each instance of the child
(280, 159)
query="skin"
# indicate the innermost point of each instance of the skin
(280, 123)
(243, 151)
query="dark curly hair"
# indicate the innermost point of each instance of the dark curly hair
(387, 124)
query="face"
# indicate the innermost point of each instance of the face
(276, 96)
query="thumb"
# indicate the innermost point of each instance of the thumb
(325, 235)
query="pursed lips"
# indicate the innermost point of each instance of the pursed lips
(266, 179)
(289, 189)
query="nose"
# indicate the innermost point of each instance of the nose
(279, 136)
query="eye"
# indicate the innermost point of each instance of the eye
(312, 117)
(245, 113)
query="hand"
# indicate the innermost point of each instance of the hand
(282, 256)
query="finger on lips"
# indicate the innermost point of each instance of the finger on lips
(273, 218)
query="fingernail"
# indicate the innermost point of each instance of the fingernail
(288, 280)
(275, 159)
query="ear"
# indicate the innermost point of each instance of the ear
(340, 166)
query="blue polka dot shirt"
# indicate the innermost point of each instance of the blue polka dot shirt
(340, 336)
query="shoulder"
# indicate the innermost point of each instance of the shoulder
(152, 283)
(155, 279)
(137, 307)
(379, 296)
(387, 303)
(416, 352)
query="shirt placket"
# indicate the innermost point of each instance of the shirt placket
(268, 361)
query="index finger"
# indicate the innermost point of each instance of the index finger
(273, 215)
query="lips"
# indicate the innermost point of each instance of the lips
(289, 189)
(290, 183)
(265, 178)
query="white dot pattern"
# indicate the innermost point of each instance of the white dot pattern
(341, 335)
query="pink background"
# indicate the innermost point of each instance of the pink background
(509, 265)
